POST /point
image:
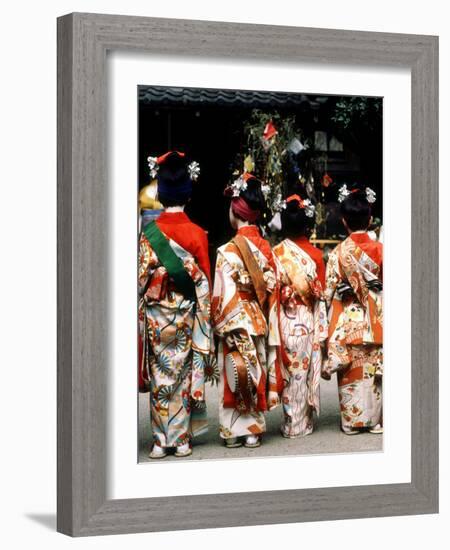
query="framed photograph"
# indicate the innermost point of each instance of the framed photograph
(247, 234)
(289, 141)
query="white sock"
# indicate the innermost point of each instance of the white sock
(183, 448)
(251, 439)
(158, 450)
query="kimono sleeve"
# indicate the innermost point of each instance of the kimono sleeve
(225, 305)
(202, 339)
(320, 268)
(147, 263)
(332, 277)
(381, 263)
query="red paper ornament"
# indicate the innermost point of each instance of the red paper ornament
(269, 131)
(327, 180)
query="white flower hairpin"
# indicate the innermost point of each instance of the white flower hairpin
(309, 207)
(306, 204)
(371, 196)
(238, 186)
(153, 166)
(194, 170)
(343, 193)
(278, 204)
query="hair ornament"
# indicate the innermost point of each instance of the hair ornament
(343, 193)
(278, 204)
(238, 186)
(155, 162)
(153, 166)
(306, 204)
(194, 170)
(310, 209)
(370, 195)
(235, 189)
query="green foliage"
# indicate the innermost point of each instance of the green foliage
(269, 159)
(354, 112)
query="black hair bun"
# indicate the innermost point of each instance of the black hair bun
(356, 210)
(173, 169)
(358, 195)
(292, 207)
(294, 221)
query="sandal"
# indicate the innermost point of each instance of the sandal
(232, 443)
(157, 452)
(252, 441)
(183, 450)
(378, 429)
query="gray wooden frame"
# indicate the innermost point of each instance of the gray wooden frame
(83, 41)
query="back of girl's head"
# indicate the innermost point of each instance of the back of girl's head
(174, 183)
(173, 168)
(356, 210)
(294, 221)
(253, 195)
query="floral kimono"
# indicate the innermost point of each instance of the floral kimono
(176, 334)
(355, 352)
(248, 332)
(303, 327)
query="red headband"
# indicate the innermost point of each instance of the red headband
(243, 210)
(296, 198)
(162, 158)
(247, 176)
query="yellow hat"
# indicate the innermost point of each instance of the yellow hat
(148, 197)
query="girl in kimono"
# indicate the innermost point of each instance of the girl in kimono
(245, 318)
(354, 296)
(174, 311)
(303, 317)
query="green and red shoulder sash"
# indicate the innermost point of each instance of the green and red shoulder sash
(169, 259)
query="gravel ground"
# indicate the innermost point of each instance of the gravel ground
(326, 438)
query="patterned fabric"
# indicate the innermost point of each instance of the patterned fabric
(303, 322)
(177, 343)
(353, 293)
(360, 391)
(241, 325)
(315, 254)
